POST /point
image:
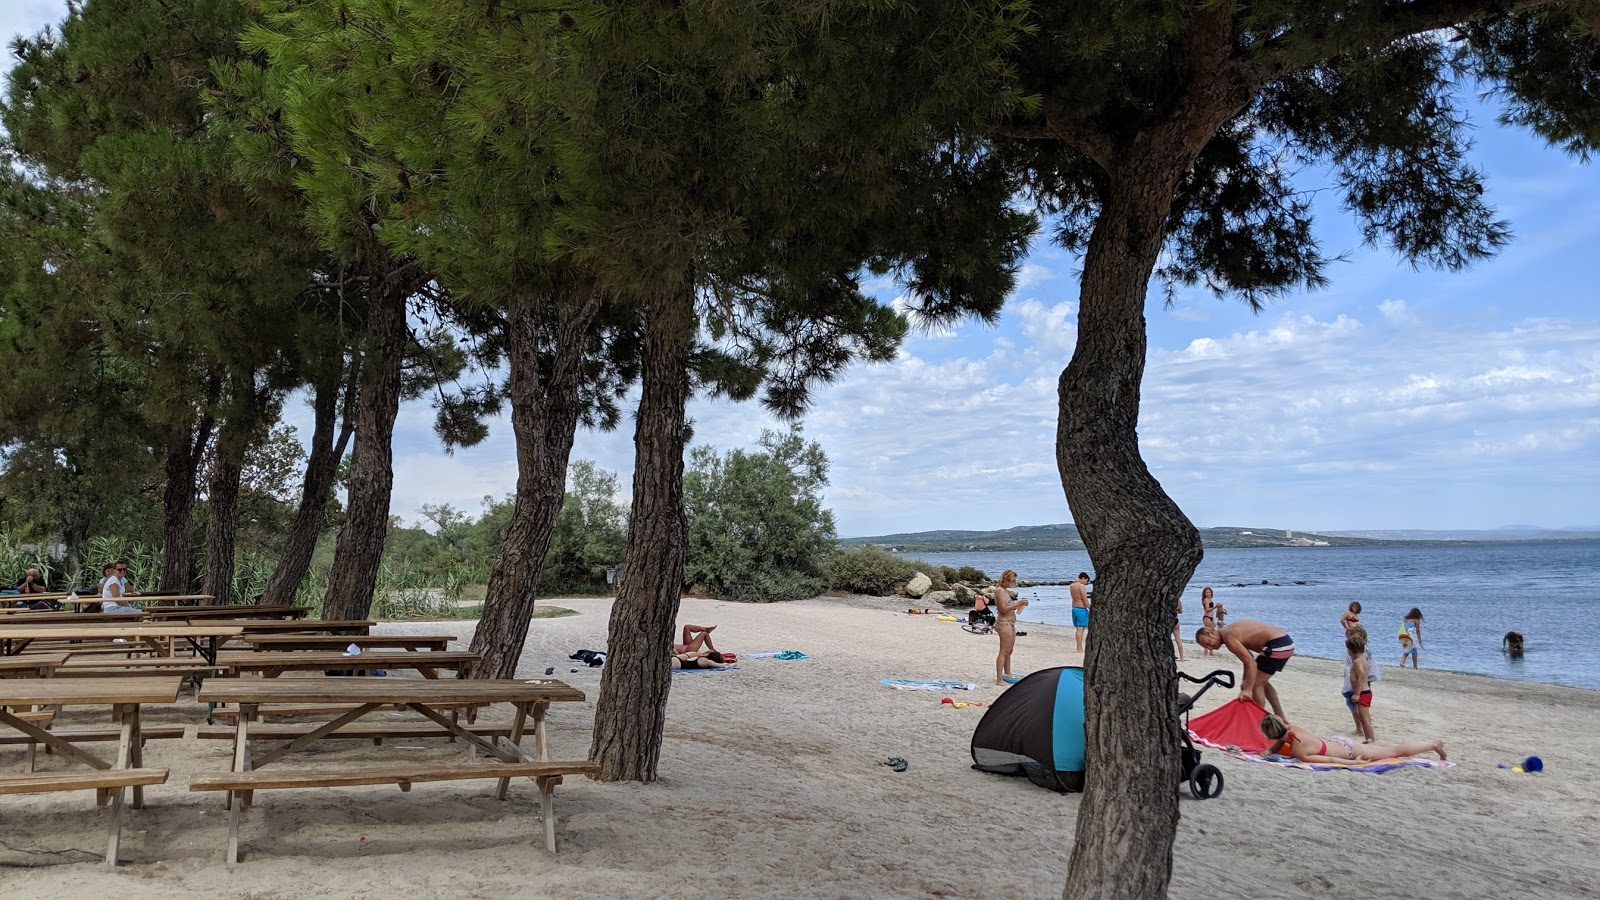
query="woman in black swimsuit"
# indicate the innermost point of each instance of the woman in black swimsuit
(699, 659)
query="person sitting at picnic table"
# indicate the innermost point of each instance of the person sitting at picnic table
(111, 593)
(695, 638)
(31, 583)
(699, 659)
(1337, 749)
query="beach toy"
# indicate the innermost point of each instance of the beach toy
(959, 705)
(731, 657)
(946, 618)
(1533, 764)
(1517, 769)
(1011, 679)
(945, 701)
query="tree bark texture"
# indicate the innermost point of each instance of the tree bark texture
(1143, 548)
(322, 466)
(359, 550)
(546, 348)
(631, 714)
(182, 470)
(222, 501)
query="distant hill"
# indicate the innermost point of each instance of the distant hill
(1065, 537)
(1509, 533)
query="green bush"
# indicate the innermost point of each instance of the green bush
(970, 575)
(869, 569)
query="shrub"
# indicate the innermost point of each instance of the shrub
(970, 575)
(869, 569)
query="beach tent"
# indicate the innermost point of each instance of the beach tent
(1035, 729)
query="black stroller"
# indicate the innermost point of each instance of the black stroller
(1204, 779)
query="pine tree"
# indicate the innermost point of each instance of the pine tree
(1165, 141)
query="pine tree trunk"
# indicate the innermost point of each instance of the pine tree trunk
(544, 417)
(631, 714)
(359, 550)
(222, 503)
(322, 466)
(178, 498)
(1143, 548)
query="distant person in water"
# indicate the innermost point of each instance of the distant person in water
(1336, 749)
(1351, 616)
(1080, 608)
(1408, 649)
(1264, 649)
(1511, 644)
(695, 639)
(1005, 624)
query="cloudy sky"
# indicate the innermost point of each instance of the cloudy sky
(1396, 398)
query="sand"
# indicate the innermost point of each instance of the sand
(772, 784)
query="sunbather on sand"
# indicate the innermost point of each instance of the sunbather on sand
(695, 638)
(1337, 749)
(699, 659)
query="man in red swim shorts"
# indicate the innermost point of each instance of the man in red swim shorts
(1263, 647)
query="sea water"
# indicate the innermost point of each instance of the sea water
(1470, 596)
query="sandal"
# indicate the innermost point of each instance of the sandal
(895, 763)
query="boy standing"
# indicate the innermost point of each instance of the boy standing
(1080, 607)
(1358, 683)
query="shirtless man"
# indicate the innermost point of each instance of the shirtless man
(1272, 647)
(1080, 607)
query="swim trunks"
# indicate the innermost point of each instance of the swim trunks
(1275, 655)
(1080, 617)
(1350, 701)
(1365, 699)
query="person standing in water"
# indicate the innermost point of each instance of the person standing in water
(1006, 623)
(1080, 608)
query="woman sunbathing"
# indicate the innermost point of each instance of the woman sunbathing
(699, 659)
(695, 639)
(1337, 749)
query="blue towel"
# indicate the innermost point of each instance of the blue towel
(777, 654)
(914, 684)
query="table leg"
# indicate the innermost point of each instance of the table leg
(136, 751)
(538, 731)
(241, 758)
(517, 722)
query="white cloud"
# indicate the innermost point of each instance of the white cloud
(1397, 312)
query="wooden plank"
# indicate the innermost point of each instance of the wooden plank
(92, 735)
(40, 664)
(50, 740)
(437, 642)
(314, 660)
(313, 735)
(360, 731)
(130, 631)
(443, 692)
(309, 626)
(89, 691)
(317, 710)
(272, 779)
(95, 779)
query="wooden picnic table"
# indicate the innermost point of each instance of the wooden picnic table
(428, 662)
(436, 642)
(308, 626)
(203, 638)
(129, 599)
(243, 611)
(33, 665)
(123, 695)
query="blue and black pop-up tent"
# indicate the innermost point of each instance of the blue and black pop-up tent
(1035, 729)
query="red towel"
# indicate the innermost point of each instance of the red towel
(1235, 724)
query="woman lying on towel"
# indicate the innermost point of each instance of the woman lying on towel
(699, 659)
(1337, 749)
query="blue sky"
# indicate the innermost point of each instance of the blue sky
(1396, 398)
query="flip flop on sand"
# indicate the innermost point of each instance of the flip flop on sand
(895, 763)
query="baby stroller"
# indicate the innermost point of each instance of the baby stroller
(1204, 779)
(980, 621)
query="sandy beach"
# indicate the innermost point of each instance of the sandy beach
(772, 784)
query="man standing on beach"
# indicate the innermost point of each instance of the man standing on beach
(1080, 607)
(1272, 647)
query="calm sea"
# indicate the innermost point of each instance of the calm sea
(1470, 596)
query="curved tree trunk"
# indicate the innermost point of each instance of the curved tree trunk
(546, 359)
(1143, 547)
(632, 710)
(222, 503)
(177, 531)
(359, 551)
(322, 466)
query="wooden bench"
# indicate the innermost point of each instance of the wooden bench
(376, 731)
(82, 735)
(546, 774)
(98, 780)
(328, 710)
(435, 642)
(186, 666)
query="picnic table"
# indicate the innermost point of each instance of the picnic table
(14, 638)
(215, 611)
(428, 662)
(263, 642)
(428, 698)
(124, 696)
(307, 626)
(34, 665)
(93, 597)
